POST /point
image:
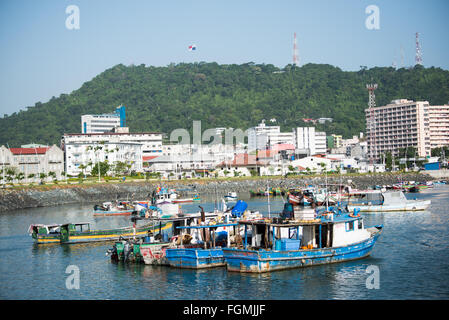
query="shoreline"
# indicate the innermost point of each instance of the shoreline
(22, 197)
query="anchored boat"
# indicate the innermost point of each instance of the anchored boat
(231, 196)
(81, 232)
(207, 256)
(151, 248)
(390, 201)
(120, 208)
(279, 244)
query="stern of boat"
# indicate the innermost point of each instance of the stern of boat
(376, 230)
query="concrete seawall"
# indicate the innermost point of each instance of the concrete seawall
(12, 199)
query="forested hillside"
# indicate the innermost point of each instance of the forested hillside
(237, 96)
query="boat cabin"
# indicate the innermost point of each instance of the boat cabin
(76, 227)
(44, 229)
(207, 234)
(373, 197)
(325, 232)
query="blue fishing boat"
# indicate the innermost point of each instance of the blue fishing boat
(208, 256)
(329, 237)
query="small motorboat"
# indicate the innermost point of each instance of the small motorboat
(231, 196)
(120, 208)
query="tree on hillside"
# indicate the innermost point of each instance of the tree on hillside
(238, 96)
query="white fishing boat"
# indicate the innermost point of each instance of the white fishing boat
(390, 201)
(231, 196)
(165, 197)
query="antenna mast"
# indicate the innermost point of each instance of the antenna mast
(371, 125)
(418, 57)
(295, 52)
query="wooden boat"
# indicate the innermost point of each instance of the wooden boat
(151, 248)
(182, 200)
(207, 256)
(121, 208)
(294, 199)
(271, 191)
(164, 195)
(45, 233)
(391, 201)
(282, 244)
(81, 232)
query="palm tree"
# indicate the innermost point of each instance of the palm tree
(31, 176)
(20, 176)
(11, 172)
(53, 175)
(82, 167)
(42, 176)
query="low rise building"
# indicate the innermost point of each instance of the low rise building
(81, 157)
(151, 142)
(32, 162)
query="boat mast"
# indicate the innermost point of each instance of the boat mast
(268, 195)
(327, 191)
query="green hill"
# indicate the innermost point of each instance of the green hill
(238, 96)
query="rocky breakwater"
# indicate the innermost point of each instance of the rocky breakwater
(11, 199)
(244, 185)
(43, 196)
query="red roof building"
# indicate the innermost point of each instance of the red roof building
(243, 160)
(19, 151)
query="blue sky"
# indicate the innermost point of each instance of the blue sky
(41, 58)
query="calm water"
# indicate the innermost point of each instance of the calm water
(412, 255)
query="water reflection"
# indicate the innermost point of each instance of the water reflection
(411, 242)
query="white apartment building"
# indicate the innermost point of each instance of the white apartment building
(99, 123)
(89, 153)
(190, 157)
(402, 123)
(280, 138)
(32, 161)
(259, 137)
(177, 165)
(436, 122)
(306, 138)
(151, 141)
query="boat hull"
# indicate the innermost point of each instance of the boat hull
(415, 206)
(195, 258)
(154, 253)
(182, 200)
(99, 235)
(44, 239)
(113, 213)
(82, 238)
(252, 261)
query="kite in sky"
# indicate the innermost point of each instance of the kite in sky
(192, 47)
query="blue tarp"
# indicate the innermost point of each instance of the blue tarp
(432, 166)
(239, 208)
